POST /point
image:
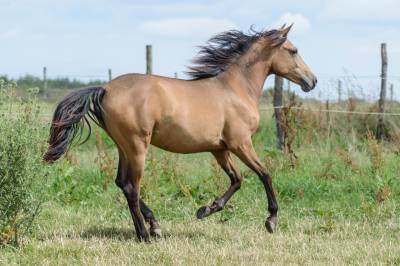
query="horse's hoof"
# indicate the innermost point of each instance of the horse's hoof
(270, 224)
(145, 239)
(203, 212)
(155, 232)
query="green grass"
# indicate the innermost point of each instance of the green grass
(338, 205)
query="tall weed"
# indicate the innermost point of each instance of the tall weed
(22, 173)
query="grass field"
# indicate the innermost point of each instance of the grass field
(339, 204)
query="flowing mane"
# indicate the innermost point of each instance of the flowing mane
(223, 50)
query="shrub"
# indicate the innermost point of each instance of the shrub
(21, 170)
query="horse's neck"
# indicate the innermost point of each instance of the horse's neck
(249, 74)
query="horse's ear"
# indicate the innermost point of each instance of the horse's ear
(282, 35)
(278, 41)
(285, 31)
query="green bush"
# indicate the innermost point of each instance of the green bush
(22, 172)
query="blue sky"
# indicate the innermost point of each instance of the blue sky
(85, 38)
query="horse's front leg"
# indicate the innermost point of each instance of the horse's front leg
(248, 156)
(155, 229)
(225, 161)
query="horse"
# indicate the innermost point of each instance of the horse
(215, 111)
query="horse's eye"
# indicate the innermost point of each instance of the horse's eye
(293, 51)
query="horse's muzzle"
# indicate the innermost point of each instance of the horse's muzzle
(308, 83)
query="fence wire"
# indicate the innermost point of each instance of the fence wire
(341, 88)
(328, 110)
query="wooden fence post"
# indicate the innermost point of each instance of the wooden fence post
(45, 82)
(277, 101)
(109, 74)
(44, 78)
(149, 60)
(327, 110)
(339, 89)
(380, 130)
(391, 92)
(176, 75)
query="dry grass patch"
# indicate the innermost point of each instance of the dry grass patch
(93, 240)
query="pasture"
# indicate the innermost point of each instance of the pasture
(339, 200)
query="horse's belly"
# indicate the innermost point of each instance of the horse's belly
(189, 139)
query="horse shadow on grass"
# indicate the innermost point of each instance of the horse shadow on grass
(123, 234)
(108, 233)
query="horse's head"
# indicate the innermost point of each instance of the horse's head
(287, 62)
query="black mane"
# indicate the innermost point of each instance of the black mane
(224, 49)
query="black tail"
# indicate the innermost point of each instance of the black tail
(70, 117)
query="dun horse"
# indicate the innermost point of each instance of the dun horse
(216, 111)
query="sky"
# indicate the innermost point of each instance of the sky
(82, 39)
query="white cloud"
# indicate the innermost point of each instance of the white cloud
(301, 23)
(362, 10)
(250, 11)
(186, 26)
(9, 33)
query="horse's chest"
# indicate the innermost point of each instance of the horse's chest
(253, 122)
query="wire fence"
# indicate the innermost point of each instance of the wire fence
(268, 108)
(329, 110)
(332, 88)
(340, 88)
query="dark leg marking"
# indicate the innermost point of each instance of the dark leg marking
(155, 229)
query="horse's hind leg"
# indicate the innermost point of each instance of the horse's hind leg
(225, 161)
(147, 213)
(121, 180)
(134, 155)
